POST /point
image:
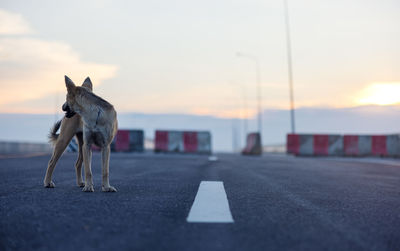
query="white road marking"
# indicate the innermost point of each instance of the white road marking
(211, 204)
(212, 158)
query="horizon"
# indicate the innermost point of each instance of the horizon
(59, 114)
(227, 134)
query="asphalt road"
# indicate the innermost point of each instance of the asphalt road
(277, 203)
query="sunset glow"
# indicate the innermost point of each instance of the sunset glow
(380, 94)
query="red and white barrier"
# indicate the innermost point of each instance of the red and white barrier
(318, 144)
(357, 145)
(347, 145)
(182, 141)
(393, 145)
(377, 145)
(122, 141)
(253, 144)
(126, 141)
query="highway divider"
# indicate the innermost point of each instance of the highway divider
(182, 141)
(343, 145)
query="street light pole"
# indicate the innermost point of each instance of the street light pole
(290, 71)
(245, 126)
(258, 79)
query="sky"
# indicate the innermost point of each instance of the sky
(181, 56)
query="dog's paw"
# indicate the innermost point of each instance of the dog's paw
(49, 184)
(80, 184)
(88, 188)
(108, 189)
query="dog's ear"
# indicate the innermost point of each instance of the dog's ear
(70, 85)
(88, 84)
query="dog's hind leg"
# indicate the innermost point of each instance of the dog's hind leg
(105, 158)
(78, 164)
(87, 159)
(61, 144)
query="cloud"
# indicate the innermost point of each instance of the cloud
(13, 24)
(32, 69)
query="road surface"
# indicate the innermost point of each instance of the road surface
(273, 202)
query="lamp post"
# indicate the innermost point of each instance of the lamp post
(290, 72)
(244, 115)
(258, 79)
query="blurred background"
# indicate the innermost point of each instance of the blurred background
(205, 65)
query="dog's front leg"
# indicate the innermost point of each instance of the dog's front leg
(87, 160)
(105, 158)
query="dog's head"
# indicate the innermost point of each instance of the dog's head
(70, 107)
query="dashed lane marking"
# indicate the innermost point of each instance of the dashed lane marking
(211, 204)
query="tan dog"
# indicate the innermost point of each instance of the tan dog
(71, 125)
(99, 126)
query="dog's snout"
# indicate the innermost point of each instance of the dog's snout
(65, 107)
(68, 112)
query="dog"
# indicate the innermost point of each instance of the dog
(71, 125)
(94, 121)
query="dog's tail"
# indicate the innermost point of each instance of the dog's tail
(53, 136)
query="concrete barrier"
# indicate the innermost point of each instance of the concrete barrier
(293, 144)
(393, 145)
(350, 145)
(72, 146)
(343, 145)
(253, 144)
(204, 142)
(378, 147)
(306, 145)
(320, 144)
(364, 145)
(335, 146)
(190, 142)
(175, 141)
(128, 141)
(161, 141)
(24, 148)
(121, 141)
(182, 141)
(124, 141)
(136, 140)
